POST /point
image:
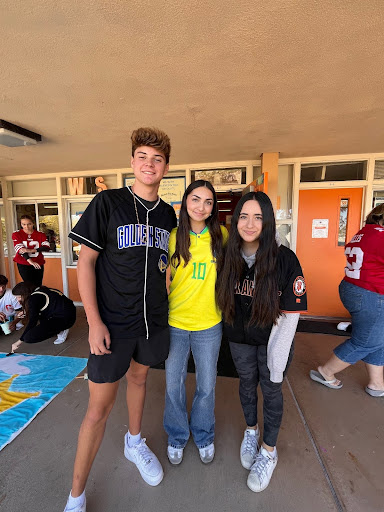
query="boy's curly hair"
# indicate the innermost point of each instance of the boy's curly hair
(152, 137)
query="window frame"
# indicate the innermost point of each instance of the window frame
(36, 202)
(71, 263)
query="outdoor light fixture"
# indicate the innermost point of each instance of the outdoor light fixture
(12, 135)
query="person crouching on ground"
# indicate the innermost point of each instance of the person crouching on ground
(48, 312)
(261, 291)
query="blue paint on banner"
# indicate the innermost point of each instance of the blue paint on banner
(27, 384)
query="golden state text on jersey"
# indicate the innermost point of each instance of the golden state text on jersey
(135, 235)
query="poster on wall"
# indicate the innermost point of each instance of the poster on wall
(171, 191)
(220, 176)
(320, 228)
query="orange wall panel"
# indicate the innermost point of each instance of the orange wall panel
(72, 285)
(52, 273)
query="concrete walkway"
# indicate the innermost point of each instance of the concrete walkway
(330, 447)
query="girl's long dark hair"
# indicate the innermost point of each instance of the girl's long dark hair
(24, 289)
(265, 301)
(183, 240)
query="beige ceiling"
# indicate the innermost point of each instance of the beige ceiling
(226, 80)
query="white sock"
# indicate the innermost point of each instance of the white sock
(132, 440)
(272, 455)
(253, 431)
(76, 502)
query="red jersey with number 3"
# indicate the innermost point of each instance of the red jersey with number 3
(365, 259)
(33, 241)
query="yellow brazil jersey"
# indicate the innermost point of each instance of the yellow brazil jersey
(192, 302)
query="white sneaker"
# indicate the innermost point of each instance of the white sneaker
(19, 326)
(79, 508)
(61, 337)
(207, 453)
(175, 455)
(261, 471)
(146, 461)
(249, 447)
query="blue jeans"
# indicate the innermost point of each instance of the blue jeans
(205, 346)
(367, 337)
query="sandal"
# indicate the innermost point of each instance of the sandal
(374, 392)
(316, 376)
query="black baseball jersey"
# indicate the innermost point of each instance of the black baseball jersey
(292, 293)
(132, 240)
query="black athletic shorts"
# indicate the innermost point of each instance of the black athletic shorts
(112, 367)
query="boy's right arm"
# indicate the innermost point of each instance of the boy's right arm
(99, 337)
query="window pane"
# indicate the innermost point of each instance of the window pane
(25, 209)
(343, 221)
(335, 171)
(311, 173)
(284, 192)
(76, 210)
(284, 234)
(345, 171)
(379, 170)
(378, 198)
(49, 224)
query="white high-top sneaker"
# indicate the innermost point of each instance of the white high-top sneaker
(61, 337)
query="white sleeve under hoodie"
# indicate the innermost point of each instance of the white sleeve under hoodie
(279, 344)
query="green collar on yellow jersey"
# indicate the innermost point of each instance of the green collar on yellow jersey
(202, 233)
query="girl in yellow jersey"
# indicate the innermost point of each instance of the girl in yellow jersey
(196, 253)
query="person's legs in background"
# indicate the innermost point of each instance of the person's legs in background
(367, 337)
(376, 379)
(46, 329)
(30, 274)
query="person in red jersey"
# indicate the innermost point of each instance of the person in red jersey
(29, 245)
(362, 293)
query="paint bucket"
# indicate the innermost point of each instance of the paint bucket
(5, 327)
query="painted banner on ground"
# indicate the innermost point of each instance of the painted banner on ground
(27, 384)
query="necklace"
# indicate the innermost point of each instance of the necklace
(134, 202)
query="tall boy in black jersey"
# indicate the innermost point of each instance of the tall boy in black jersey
(121, 276)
